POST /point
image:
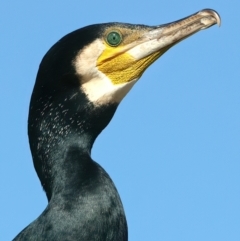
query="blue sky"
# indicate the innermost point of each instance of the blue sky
(172, 148)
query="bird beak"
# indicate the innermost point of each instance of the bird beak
(162, 37)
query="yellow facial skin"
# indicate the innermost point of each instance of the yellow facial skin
(120, 67)
(117, 64)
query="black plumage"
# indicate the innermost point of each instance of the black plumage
(62, 126)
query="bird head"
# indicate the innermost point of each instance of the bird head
(111, 63)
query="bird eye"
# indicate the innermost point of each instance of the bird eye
(114, 38)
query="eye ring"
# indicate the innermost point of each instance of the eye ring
(114, 38)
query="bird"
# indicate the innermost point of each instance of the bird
(80, 83)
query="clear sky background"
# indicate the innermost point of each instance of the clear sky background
(172, 148)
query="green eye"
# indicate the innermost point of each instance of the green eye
(114, 38)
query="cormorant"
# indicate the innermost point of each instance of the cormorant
(80, 82)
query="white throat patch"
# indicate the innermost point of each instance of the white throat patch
(98, 88)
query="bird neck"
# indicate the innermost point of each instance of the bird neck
(61, 135)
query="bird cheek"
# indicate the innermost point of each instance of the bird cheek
(120, 69)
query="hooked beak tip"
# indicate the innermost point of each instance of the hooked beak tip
(213, 13)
